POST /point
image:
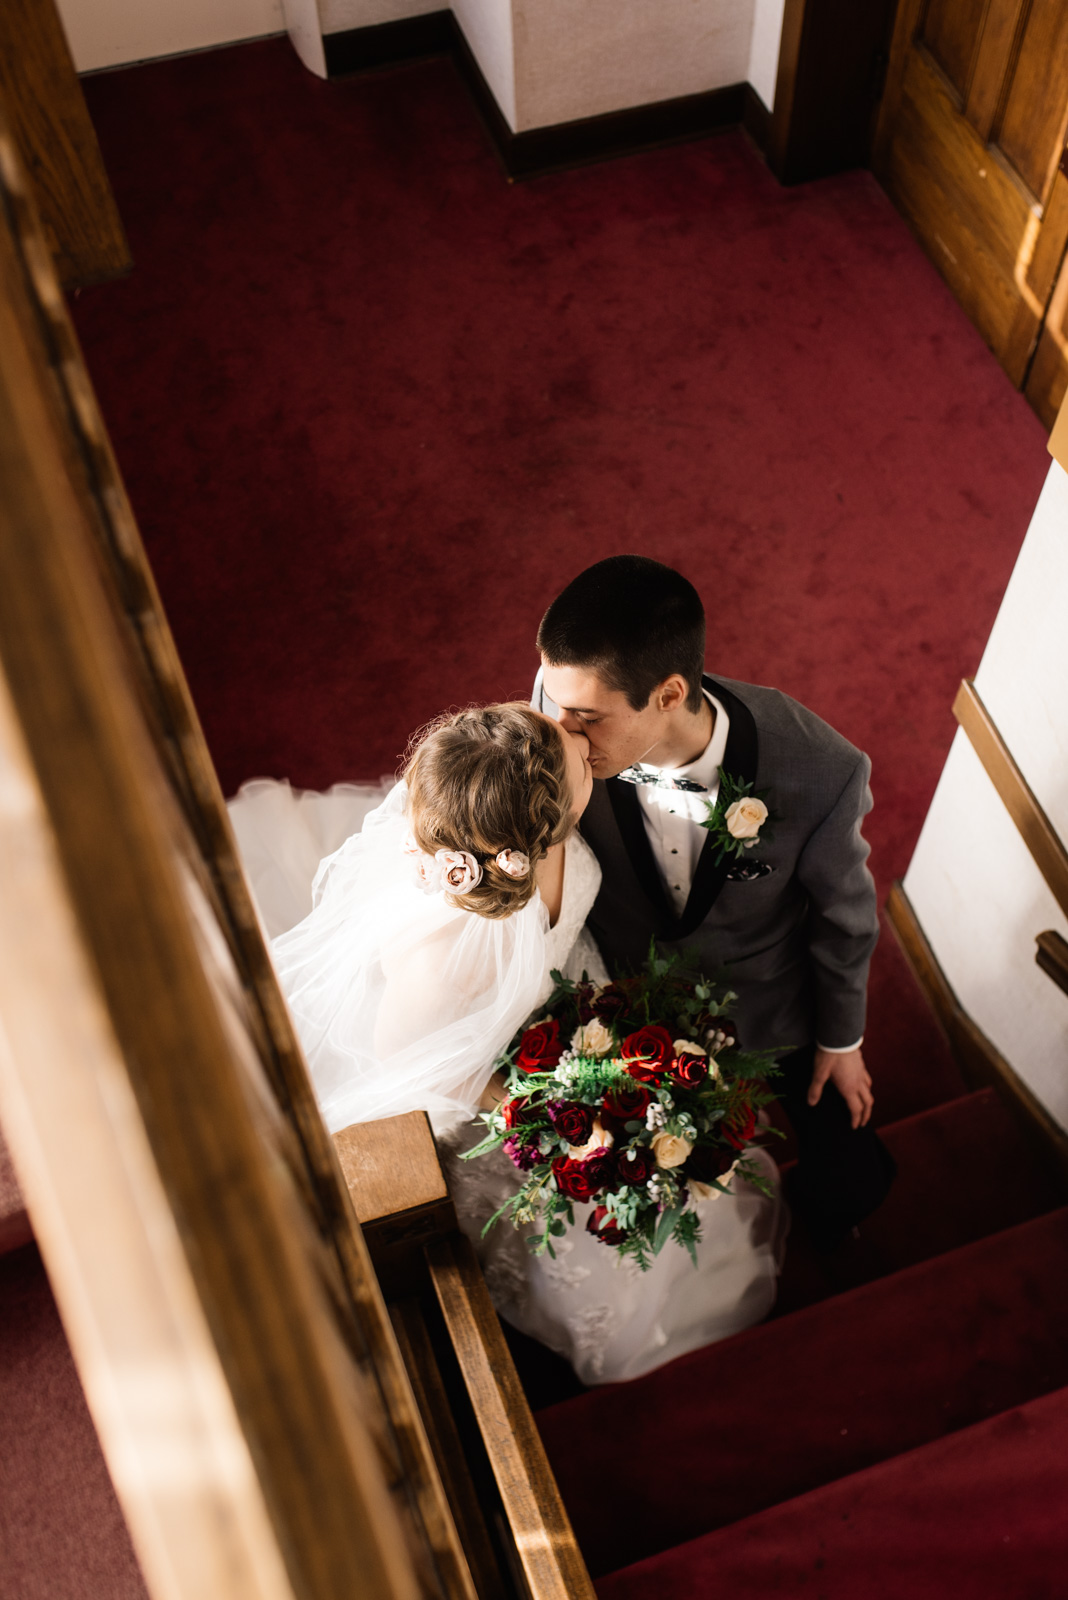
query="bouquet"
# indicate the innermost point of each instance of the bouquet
(634, 1098)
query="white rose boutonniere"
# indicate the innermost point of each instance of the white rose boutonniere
(739, 819)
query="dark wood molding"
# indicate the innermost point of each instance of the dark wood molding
(756, 119)
(1052, 957)
(50, 121)
(832, 63)
(981, 1063)
(1035, 828)
(538, 150)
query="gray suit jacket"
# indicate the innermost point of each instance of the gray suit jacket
(796, 943)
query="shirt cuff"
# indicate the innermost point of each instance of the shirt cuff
(840, 1049)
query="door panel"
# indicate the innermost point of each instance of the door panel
(970, 135)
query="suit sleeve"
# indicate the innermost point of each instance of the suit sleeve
(843, 919)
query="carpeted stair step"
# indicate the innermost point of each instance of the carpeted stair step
(976, 1516)
(965, 1170)
(15, 1229)
(770, 1414)
(62, 1534)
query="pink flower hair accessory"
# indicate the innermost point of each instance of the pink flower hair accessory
(459, 872)
(513, 863)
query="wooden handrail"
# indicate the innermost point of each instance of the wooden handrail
(1035, 828)
(160, 1115)
(548, 1551)
(1052, 957)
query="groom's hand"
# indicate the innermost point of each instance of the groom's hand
(850, 1077)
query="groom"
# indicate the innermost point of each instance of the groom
(794, 920)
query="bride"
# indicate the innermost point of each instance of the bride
(431, 936)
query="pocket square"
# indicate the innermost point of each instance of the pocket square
(749, 871)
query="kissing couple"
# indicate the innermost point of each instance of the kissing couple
(418, 927)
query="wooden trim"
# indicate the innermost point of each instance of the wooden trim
(389, 44)
(1052, 957)
(50, 121)
(756, 119)
(178, 1042)
(981, 1063)
(551, 1561)
(1035, 828)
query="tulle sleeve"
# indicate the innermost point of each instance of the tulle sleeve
(402, 1001)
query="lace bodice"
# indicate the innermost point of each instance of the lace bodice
(568, 943)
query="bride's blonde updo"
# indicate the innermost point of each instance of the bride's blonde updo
(486, 780)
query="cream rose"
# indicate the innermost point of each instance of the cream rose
(670, 1150)
(745, 818)
(687, 1047)
(592, 1039)
(599, 1139)
(460, 872)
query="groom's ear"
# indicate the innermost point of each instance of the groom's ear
(671, 694)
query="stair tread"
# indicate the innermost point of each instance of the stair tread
(979, 1515)
(965, 1170)
(878, 1371)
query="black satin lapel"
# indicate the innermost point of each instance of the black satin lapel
(628, 814)
(740, 760)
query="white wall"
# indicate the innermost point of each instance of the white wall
(978, 895)
(340, 15)
(488, 28)
(578, 58)
(106, 33)
(764, 49)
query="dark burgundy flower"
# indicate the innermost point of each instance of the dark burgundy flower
(739, 1126)
(600, 1169)
(609, 1232)
(571, 1178)
(584, 993)
(707, 1162)
(629, 1104)
(648, 1053)
(689, 1071)
(610, 1003)
(573, 1123)
(636, 1166)
(540, 1048)
(524, 1156)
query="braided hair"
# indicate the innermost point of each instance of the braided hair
(489, 779)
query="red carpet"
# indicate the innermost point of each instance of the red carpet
(977, 1516)
(375, 404)
(785, 1407)
(62, 1536)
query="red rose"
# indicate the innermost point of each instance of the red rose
(648, 1053)
(571, 1178)
(519, 1111)
(540, 1048)
(739, 1126)
(600, 1169)
(628, 1104)
(636, 1166)
(689, 1071)
(610, 1232)
(573, 1123)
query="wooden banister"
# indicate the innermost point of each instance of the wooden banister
(1035, 828)
(1052, 957)
(548, 1552)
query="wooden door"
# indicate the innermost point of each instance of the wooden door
(968, 146)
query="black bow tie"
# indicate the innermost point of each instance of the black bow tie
(661, 780)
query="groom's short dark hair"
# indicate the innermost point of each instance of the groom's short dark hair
(634, 622)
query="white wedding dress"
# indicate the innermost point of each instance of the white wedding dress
(403, 1002)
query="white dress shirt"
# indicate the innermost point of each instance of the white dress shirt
(672, 819)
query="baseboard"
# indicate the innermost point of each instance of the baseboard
(756, 118)
(388, 44)
(565, 144)
(981, 1063)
